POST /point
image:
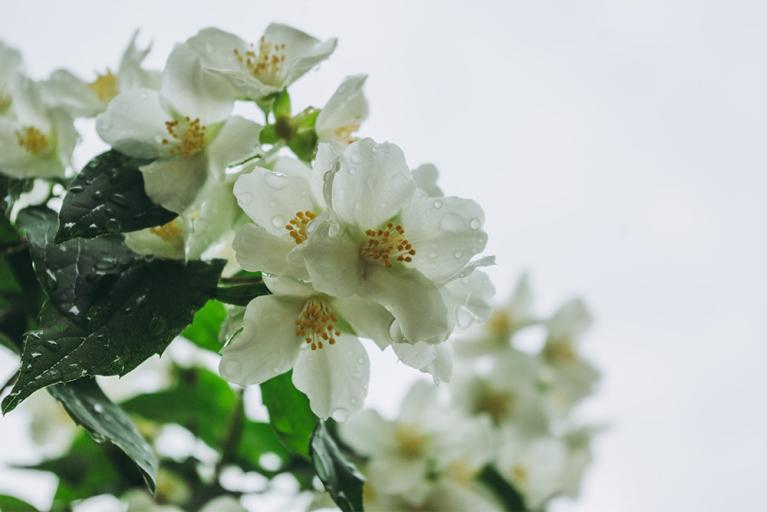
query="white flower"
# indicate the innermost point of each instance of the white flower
(344, 112)
(426, 455)
(300, 328)
(509, 393)
(533, 465)
(35, 141)
(11, 67)
(384, 242)
(569, 377)
(495, 336)
(65, 89)
(579, 457)
(282, 56)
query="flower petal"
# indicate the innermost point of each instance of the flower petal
(348, 107)
(332, 260)
(397, 475)
(259, 250)
(134, 124)
(373, 184)
(148, 243)
(271, 199)
(208, 218)
(193, 91)
(367, 318)
(367, 433)
(216, 47)
(414, 300)
(469, 298)
(237, 140)
(302, 52)
(446, 233)
(335, 378)
(130, 74)
(174, 183)
(267, 345)
(64, 89)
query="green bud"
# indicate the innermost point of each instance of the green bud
(281, 105)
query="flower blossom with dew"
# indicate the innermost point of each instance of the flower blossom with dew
(11, 67)
(383, 241)
(508, 394)
(534, 465)
(344, 112)
(87, 99)
(495, 336)
(282, 56)
(187, 130)
(426, 459)
(568, 378)
(316, 335)
(36, 141)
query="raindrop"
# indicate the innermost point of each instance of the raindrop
(276, 180)
(113, 225)
(107, 263)
(464, 318)
(76, 189)
(475, 223)
(437, 204)
(51, 282)
(360, 360)
(35, 355)
(395, 331)
(340, 414)
(114, 174)
(355, 157)
(157, 325)
(98, 437)
(451, 223)
(278, 221)
(120, 200)
(458, 254)
(98, 408)
(231, 368)
(98, 195)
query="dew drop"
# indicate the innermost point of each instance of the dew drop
(475, 223)
(340, 414)
(231, 369)
(157, 325)
(120, 200)
(395, 331)
(355, 157)
(51, 282)
(98, 195)
(245, 198)
(458, 254)
(278, 221)
(113, 225)
(437, 204)
(98, 408)
(76, 189)
(463, 318)
(276, 180)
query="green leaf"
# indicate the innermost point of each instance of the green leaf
(257, 439)
(289, 413)
(11, 504)
(338, 474)
(91, 408)
(511, 499)
(205, 328)
(240, 294)
(126, 317)
(108, 197)
(11, 189)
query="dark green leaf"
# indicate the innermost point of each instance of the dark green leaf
(241, 294)
(127, 317)
(91, 408)
(205, 328)
(11, 189)
(338, 474)
(11, 504)
(108, 197)
(289, 413)
(511, 499)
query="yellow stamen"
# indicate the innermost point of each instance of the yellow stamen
(386, 245)
(519, 474)
(32, 139)
(187, 136)
(316, 324)
(169, 232)
(346, 132)
(460, 471)
(297, 226)
(410, 438)
(105, 86)
(500, 325)
(265, 65)
(495, 403)
(5, 101)
(559, 351)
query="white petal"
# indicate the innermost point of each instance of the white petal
(223, 504)
(367, 318)
(469, 298)
(332, 260)
(400, 476)
(11, 64)
(271, 199)
(373, 184)
(446, 232)
(64, 89)
(134, 123)
(267, 345)
(335, 378)
(302, 52)
(367, 433)
(421, 398)
(215, 48)
(65, 134)
(192, 91)
(426, 177)
(130, 74)
(415, 302)
(148, 243)
(174, 183)
(415, 355)
(571, 320)
(237, 140)
(259, 250)
(282, 285)
(324, 163)
(16, 162)
(208, 218)
(347, 107)
(28, 105)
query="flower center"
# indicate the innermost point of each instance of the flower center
(500, 325)
(169, 232)
(186, 136)
(105, 86)
(497, 404)
(559, 351)
(264, 65)
(32, 139)
(410, 438)
(519, 474)
(316, 324)
(346, 132)
(386, 245)
(460, 471)
(298, 224)
(5, 100)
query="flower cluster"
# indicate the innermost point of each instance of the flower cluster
(508, 408)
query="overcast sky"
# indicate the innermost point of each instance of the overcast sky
(618, 148)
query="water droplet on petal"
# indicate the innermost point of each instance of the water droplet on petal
(245, 198)
(475, 223)
(278, 221)
(231, 369)
(458, 254)
(437, 204)
(276, 180)
(464, 318)
(340, 414)
(395, 331)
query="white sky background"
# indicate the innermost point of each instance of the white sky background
(618, 151)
